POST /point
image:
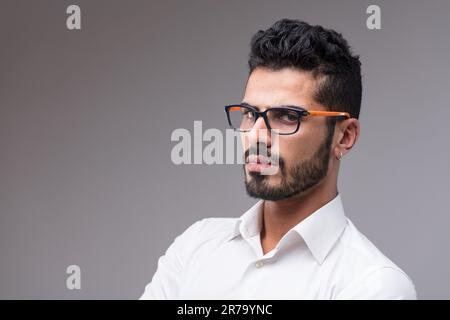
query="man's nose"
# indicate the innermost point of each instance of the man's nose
(259, 133)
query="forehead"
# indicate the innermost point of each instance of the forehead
(286, 86)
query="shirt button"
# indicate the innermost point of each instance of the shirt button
(259, 264)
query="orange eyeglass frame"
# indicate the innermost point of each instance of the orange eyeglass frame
(328, 113)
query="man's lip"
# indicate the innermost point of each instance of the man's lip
(257, 167)
(257, 159)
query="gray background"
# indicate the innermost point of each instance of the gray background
(86, 118)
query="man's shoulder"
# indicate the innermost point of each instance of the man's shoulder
(367, 269)
(354, 245)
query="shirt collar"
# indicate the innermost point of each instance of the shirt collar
(320, 230)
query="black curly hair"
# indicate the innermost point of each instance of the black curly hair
(324, 52)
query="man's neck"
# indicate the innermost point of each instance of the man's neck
(281, 216)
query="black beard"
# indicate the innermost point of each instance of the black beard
(299, 179)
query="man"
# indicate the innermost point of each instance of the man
(305, 87)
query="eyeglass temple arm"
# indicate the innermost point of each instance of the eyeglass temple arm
(328, 113)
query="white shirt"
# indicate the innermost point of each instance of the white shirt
(322, 257)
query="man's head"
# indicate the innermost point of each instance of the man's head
(295, 64)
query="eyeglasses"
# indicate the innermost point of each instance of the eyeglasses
(285, 120)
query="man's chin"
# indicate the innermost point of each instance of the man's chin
(259, 183)
(265, 192)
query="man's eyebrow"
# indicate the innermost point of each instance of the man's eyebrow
(245, 104)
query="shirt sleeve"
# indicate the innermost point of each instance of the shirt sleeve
(166, 281)
(382, 284)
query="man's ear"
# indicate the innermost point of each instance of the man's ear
(346, 136)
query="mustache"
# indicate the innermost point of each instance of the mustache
(256, 150)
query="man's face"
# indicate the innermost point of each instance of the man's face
(303, 156)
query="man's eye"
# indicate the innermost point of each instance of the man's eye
(288, 116)
(247, 113)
